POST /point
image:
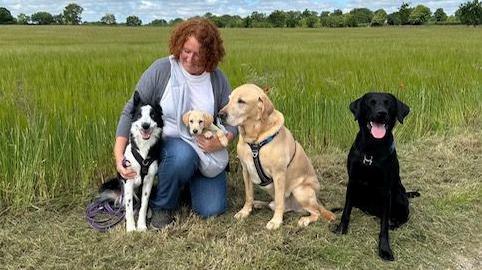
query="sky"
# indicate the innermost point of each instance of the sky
(147, 11)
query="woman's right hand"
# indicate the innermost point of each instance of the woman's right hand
(125, 170)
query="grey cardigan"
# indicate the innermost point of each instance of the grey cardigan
(151, 87)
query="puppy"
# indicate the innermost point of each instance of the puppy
(142, 155)
(271, 158)
(200, 122)
(374, 184)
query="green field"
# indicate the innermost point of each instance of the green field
(62, 89)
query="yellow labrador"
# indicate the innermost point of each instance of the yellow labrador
(200, 122)
(283, 160)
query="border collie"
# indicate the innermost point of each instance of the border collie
(142, 155)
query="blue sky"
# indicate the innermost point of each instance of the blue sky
(149, 10)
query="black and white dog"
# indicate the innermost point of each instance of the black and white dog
(142, 155)
(374, 184)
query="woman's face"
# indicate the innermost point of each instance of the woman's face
(190, 56)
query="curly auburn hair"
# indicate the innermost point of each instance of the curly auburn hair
(206, 33)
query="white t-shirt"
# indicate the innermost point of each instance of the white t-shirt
(201, 96)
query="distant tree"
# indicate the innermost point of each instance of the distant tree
(293, 19)
(133, 21)
(175, 21)
(311, 21)
(349, 20)
(337, 12)
(439, 15)
(42, 17)
(109, 19)
(394, 19)
(59, 19)
(158, 22)
(23, 19)
(470, 13)
(277, 18)
(362, 15)
(379, 18)
(324, 14)
(6, 17)
(72, 13)
(404, 13)
(420, 15)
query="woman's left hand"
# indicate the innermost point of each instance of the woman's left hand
(209, 145)
(212, 144)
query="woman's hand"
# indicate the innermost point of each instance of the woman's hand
(125, 170)
(212, 144)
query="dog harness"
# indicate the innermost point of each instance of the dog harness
(367, 160)
(255, 148)
(145, 163)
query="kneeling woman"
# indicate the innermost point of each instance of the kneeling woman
(188, 79)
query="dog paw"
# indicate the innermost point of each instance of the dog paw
(304, 221)
(329, 216)
(208, 134)
(141, 228)
(130, 228)
(242, 214)
(340, 229)
(386, 254)
(273, 224)
(224, 141)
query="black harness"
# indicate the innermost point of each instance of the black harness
(367, 160)
(145, 162)
(255, 148)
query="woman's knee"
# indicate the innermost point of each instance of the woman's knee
(211, 210)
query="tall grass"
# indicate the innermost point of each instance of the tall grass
(62, 89)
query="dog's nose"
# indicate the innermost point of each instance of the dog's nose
(194, 131)
(146, 125)
(223, 115)
(381, 115)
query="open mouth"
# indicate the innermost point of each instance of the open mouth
(146, 133)
(378, 130)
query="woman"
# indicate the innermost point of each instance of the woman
(188, 79)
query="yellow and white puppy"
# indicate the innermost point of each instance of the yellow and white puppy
(200, 122)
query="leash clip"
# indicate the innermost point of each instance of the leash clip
(367, 161)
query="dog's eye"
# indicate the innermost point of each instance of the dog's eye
(240, 101)
(373, 102)
(190, 121)
(386, 102)
(200, 121)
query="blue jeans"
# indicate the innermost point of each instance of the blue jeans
(179, 167)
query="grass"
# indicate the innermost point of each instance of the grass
(442, 233)
(62, 89)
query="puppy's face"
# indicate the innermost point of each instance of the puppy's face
(196, 121)
(378, 112)
(247, 102)
(146, 120)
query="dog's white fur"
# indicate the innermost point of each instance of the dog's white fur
(200, 122)
(130, 185)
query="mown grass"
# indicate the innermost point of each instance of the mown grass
(62, 89)
(443, 231)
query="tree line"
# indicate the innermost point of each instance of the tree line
(469, 13)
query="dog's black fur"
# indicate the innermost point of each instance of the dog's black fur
(374, 184)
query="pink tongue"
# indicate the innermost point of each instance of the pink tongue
(378, 130)
(145, 135)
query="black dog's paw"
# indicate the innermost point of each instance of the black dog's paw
(340, 229)
(386, 253)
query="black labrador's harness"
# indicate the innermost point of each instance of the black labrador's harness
(255, 148)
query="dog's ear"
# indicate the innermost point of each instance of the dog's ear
(355, 108)
(185, 118)
(402, 111)
(266, 106)
(208, 119)
(136, 99)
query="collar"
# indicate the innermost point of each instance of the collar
(255, 147)
(368, 160)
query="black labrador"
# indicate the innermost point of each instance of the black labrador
(374, 184)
